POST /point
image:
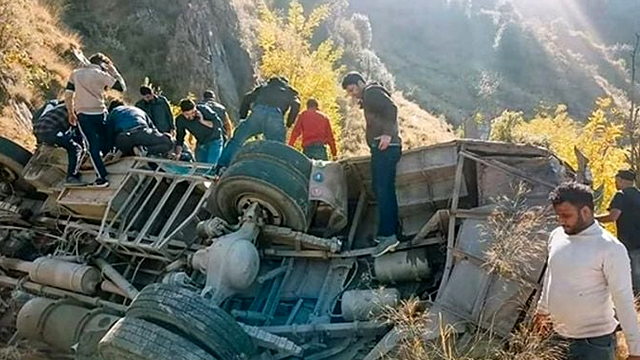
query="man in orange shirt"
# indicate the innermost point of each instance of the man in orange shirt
(316, 132)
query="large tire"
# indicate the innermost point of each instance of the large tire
(279, 190)
(188, 314)
(13, 159)
(278, 152)
(136, 339)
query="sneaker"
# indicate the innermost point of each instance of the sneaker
(74, 181)
(101, 183)
(385, 245)
(139, 151)
(112, 157)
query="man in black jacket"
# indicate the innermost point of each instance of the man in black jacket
(209, 99)
(205, 125)
(158, 109)
(381, 117)
(268, 104)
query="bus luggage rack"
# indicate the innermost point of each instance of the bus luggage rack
(155, 211)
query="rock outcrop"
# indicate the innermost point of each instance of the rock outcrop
(183, 47)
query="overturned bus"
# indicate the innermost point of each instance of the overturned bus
(270, 261)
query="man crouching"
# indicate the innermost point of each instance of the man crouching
(131, 128)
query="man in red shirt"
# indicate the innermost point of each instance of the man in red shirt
(316, 132)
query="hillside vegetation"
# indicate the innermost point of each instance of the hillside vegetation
(33, 49)
(459, 58)
(182, 49)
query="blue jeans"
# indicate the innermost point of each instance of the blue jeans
(316, 151)
(94, 129)
(262, 120)
(210, 152)
(383, 176)
(596, 348)
(70, 140)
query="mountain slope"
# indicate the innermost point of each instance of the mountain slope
(459, 57)
(34, 63)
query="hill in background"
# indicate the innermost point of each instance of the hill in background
(459, 58)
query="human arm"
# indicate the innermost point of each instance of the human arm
(166, 108)
(209, 118)
(294, 109)
(378, 102)
(117, 81)
(610, 216)
(69, 100)
(296, 132)
(329, 138)
(180, 134)
(614, 210)
(617, 272)
(149, 122)
(247, 100)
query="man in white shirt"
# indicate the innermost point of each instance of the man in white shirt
(588, 281)
(84, 97)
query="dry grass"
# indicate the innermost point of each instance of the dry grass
(19, 353)
(518, 236)
(475, 344)
(417, 128)
(32, 66)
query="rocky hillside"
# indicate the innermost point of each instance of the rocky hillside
(461, 57)
(180, 47)
(35, 51)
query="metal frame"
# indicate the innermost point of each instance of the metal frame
(116, 232)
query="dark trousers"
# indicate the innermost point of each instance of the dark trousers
(316, 151)
(156, 142)
(383, 175)
(94, 130)
(262, 120)
(595, 348)
(71, 141)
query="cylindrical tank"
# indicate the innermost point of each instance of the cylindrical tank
(62, 325)
(367, 304)
(55, 322)
(401, 266)
(65, 275)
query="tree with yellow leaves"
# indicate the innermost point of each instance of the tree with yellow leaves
(287, 51)
(598, 139)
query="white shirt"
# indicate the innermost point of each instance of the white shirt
(588, 276)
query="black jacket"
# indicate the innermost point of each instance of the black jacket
(380, 114)
(202, 133)
(275, 93)
(159, 111)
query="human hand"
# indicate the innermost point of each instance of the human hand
(73, 119)
(384, 142)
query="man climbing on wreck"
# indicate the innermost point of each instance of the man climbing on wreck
(263, 111)
(381, 118)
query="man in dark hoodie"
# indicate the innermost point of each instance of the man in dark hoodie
(268, 104)
(205, 125)
(158, 109)
(381, 117)
(209, 99)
